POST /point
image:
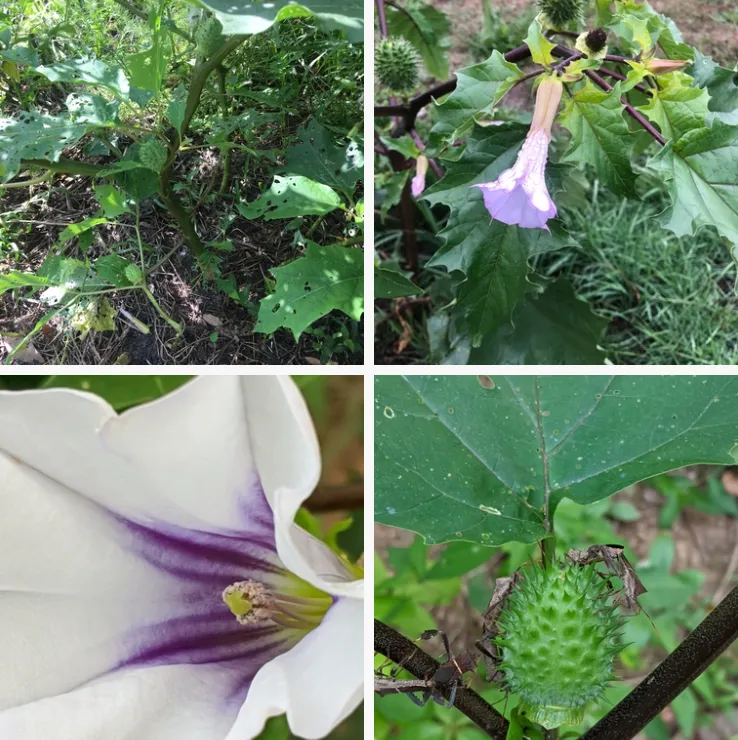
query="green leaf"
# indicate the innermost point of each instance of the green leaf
(92, 109)
(90, 71)
(254, 16)
(393, 284)
(147, 69)
(427, 29)
(720, 82)
(478, 89)
(14, 280)
(317, 157)
(20, 55)
(111, 200)
(676, 107)
(113, 269)
(540, 47)
(177, 106)
(624, 511)
(701, 171)
(600, 136)
(326, 278)
(553, 329)
(74, 230)
(35, 136)
(497, 279)
(292, 196)
(460, 460)
(120, 391)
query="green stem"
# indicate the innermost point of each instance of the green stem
(172, 202)
(225, 150)
(67, 166)
(177, 327)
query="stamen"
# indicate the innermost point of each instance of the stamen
(253, 603)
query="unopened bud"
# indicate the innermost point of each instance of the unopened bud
(664, 66)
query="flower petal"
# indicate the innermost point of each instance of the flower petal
(185, 459)
(289, 473)
(163, 703)
(324, 670)
(86, 593)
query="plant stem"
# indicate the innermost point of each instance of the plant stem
(382, 18)
(172, 202)
(632, 112)
(393, 645)
(66, 166)
(225, 150)
(701, 648)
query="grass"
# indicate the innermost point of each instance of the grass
(669, 300)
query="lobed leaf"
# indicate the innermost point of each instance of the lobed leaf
(460, 460)
(326, 278)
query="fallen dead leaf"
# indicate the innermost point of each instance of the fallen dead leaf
(214, 321)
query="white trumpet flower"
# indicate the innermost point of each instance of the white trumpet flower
(153, 584)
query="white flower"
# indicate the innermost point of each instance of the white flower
(519, 196)
(118, 538)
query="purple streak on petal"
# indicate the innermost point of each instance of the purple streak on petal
(199, 628)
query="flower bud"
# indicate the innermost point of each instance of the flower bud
(664, 66)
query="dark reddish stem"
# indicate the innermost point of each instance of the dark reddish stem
(632, 112)
(382, 17)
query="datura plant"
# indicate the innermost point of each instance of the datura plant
(477, 463)
(616, 93)
(154, 582)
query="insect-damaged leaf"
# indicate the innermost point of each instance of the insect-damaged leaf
(319, 158)
(292, 196)
(459, 461)
(326, 278)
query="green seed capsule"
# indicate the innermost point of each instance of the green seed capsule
(396, 65)
(560, 14)
(558, 637)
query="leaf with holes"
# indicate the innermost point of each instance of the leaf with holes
(318, 157)
(326, 278)
(460, 459)
(292, 196)
(35, 136)
(255, 16)
(90, 71)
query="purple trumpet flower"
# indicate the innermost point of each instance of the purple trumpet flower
(519, 196)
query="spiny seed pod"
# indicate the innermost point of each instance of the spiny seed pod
(209, 36)
(152, 154)
(558, 637)
(396, 65)
(560, 13)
